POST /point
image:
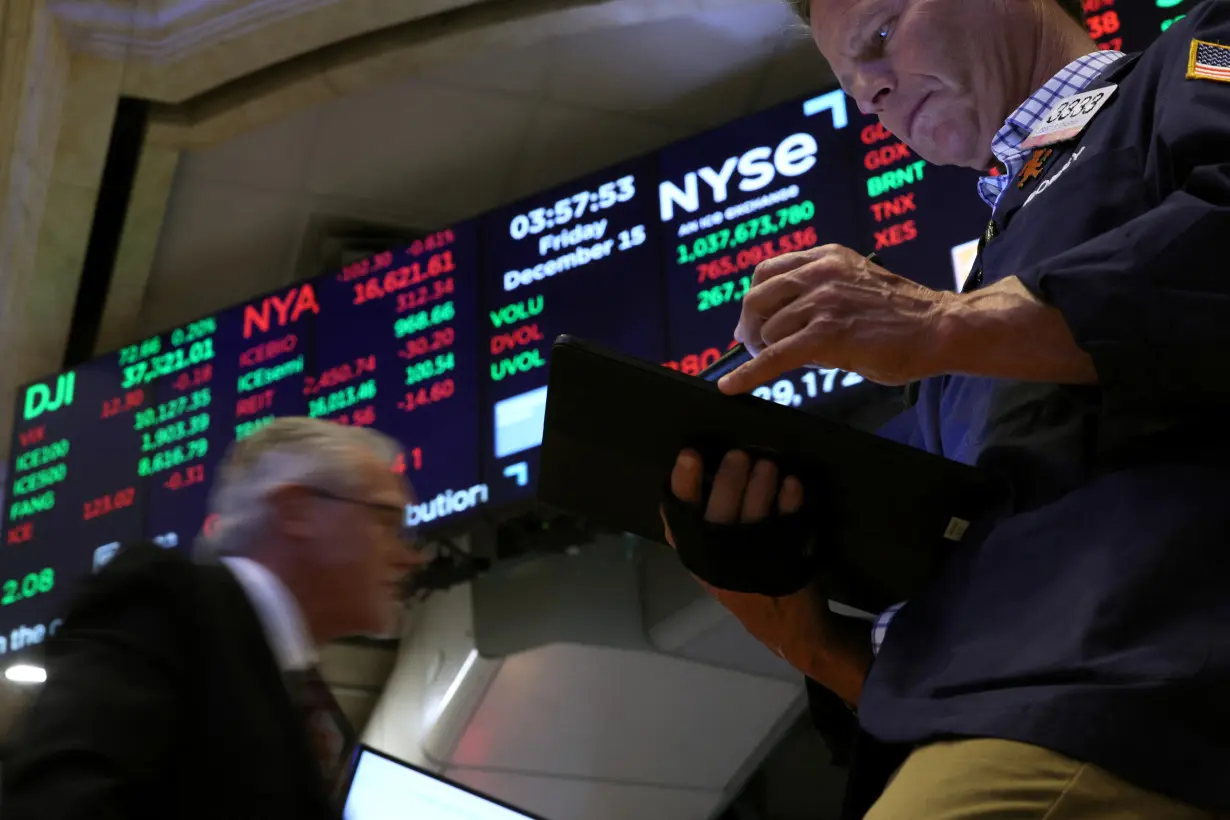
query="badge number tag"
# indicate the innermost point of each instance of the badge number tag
(1069, 117)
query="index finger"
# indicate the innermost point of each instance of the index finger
(788, 354)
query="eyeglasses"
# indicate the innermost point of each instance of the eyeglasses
(407, 533)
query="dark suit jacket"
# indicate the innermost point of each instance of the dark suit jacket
(163, 700)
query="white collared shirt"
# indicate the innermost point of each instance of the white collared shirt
(279, 613)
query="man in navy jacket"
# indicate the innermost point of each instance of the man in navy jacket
(1075, 660)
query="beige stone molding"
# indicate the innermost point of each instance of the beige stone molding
(168, 31)
(177, 49)
(367, 60)
(34, 85)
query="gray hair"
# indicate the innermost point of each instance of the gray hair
(291, 450)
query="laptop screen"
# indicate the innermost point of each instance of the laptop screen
(382, 788)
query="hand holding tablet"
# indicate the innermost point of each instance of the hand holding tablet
(615, 427)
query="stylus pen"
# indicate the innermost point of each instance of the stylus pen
(739, 354)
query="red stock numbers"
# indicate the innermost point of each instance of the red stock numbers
(191, 379)
(403, 278)
(20, 534)
(429, 244)
(411, 459)
(753, 255)
(358, 417)
(427, 395)
(424, 295)
(187, 477)
(876, 132)
(339, 375)
(1102, 25)
(365, 267)
(693, 363)
(109, 503)
(427, 343)
(122, 404)
(375, 264)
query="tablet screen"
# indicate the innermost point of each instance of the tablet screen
(385, 789)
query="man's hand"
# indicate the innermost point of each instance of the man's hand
(741, 492)
(795, 626)
(831, 307)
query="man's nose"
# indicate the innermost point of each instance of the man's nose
(872, 88)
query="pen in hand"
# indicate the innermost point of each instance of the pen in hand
(739, 354)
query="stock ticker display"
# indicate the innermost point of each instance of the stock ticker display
(578, 260)
(444, 344)
(733, 198)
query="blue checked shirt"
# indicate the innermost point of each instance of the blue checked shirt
(1073, 78)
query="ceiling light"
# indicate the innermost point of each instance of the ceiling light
(25, 673)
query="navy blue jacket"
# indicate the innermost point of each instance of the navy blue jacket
(1094, 619)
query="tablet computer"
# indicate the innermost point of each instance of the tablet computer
(614, 426)
(381, 787)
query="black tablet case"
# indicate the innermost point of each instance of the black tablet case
(889, 514)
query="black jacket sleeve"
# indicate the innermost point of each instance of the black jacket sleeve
(1149, 300)
(96, 742)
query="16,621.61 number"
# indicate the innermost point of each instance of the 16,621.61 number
(407, 276)
(34, 583)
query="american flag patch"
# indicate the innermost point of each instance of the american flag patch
(1208, 61)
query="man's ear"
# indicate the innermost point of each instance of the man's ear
(293, 510)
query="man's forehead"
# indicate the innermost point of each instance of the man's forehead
(833, 22)
(404, 489)
(382, 483)
(393, 486)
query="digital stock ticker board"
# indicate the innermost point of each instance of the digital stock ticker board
(445, 343)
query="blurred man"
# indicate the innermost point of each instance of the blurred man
(181, 690)
(1073, 661)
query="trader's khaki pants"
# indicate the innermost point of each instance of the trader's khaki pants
(1004, 780)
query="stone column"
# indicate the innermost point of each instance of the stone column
(56, 112)
(34, 69)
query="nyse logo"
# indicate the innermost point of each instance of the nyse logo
(756, 168)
